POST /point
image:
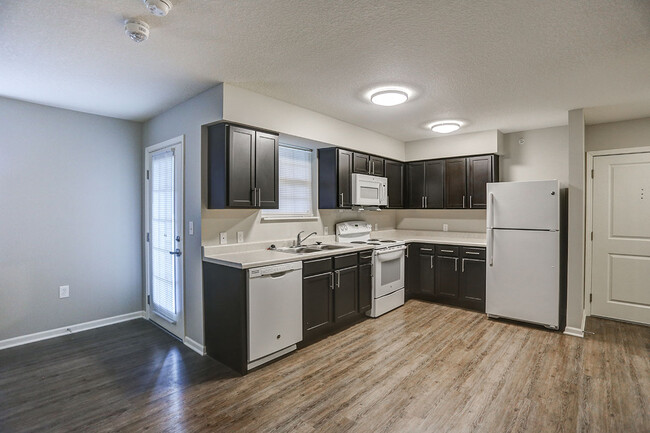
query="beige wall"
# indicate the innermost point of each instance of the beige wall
(249, 221)
(245, 106)
(457, 220)
(474, 143)
(618, 135)
(543, 155)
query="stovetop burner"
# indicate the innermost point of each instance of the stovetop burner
(358, 242)
(388, 241)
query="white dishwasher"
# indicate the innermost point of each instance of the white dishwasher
(274, 311)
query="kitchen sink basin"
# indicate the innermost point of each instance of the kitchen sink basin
(310, 249)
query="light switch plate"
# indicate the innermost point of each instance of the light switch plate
(445, 227)
(191, 228)
(64, 292)
(240, 237)
(223, 238)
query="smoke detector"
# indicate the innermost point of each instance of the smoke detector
(136, 29)
(159, 7)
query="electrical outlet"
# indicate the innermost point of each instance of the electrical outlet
(240, 237)
(191, 228)
(326, 231)
(223, 238)
(445, 227)
(64, 292)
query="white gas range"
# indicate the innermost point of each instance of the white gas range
(387, 265)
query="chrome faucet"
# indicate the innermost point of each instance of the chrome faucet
(300, 241)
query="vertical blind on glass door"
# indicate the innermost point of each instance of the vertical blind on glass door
(163, 221)
(295, 183)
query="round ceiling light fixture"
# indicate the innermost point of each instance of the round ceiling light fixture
(159, 7)
(389, 98)
(137, 30)
(445, 127)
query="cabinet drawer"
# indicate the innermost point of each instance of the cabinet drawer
(427, 250)
(447, 250)
(345, 261)
(316, 266)
(365, 257)
(473, 252)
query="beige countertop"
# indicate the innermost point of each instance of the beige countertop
(251, 255)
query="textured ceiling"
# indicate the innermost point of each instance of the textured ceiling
(502, 64)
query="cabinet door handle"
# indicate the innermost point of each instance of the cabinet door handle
(431, 259)
(331, 277)
(372, 167)
(446, 251)
(470, 201)
(407, 251)
(422, 202)
(426, 202)
(456, 265)
(472, 253)
(341, 200)
(259, 196)
(254, 199)
(426, 249)
(462, 265)
(463, 202)
(338, 279)
(366, 257)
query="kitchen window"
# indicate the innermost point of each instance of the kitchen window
(295, 185)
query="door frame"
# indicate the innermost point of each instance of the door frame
(180, 140)
(589, 221)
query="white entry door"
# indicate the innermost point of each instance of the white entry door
(621, 246)
(164, 234)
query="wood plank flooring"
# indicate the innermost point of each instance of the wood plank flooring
(421, 368)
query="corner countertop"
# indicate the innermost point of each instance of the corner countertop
(252, 255)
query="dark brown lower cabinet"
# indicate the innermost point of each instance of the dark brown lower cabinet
(345, 292)
(447, 274)
(472, 285)
(316, 303)
(365, 287)
(427, 274)
(447, 277)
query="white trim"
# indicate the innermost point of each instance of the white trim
(180, 140)
(574, 332)
(589, 223)
(71, 329)
(197, 347)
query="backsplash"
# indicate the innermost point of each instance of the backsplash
(255, 229)
(472, 221)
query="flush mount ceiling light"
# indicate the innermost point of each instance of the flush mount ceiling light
(159, 7)
(137, 30)
(445, 127)
(388, 98)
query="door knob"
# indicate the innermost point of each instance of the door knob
(176, 253)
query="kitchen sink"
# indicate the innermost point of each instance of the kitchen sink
(310, 249)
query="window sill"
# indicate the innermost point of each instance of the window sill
(289, 218)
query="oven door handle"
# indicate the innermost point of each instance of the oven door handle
(391, 254)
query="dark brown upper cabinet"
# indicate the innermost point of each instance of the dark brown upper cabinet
(242, 167)
(481, 170)
(455, 183)
(425, 184)
(394, 172)
(334, 178)
(466, 179)
(367, 164)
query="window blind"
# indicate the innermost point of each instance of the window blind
(163, 278)
(295, 184)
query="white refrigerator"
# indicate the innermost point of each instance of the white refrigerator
(524, 262)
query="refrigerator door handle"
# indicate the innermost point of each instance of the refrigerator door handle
(490, 246)
(490, 216)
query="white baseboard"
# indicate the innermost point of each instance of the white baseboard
(52, 333)
(197, 347)
(575, 332)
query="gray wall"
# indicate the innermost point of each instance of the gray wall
(187, 119)
(618, 135)
(70, 191)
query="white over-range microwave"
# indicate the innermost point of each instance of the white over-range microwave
(369, 190)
